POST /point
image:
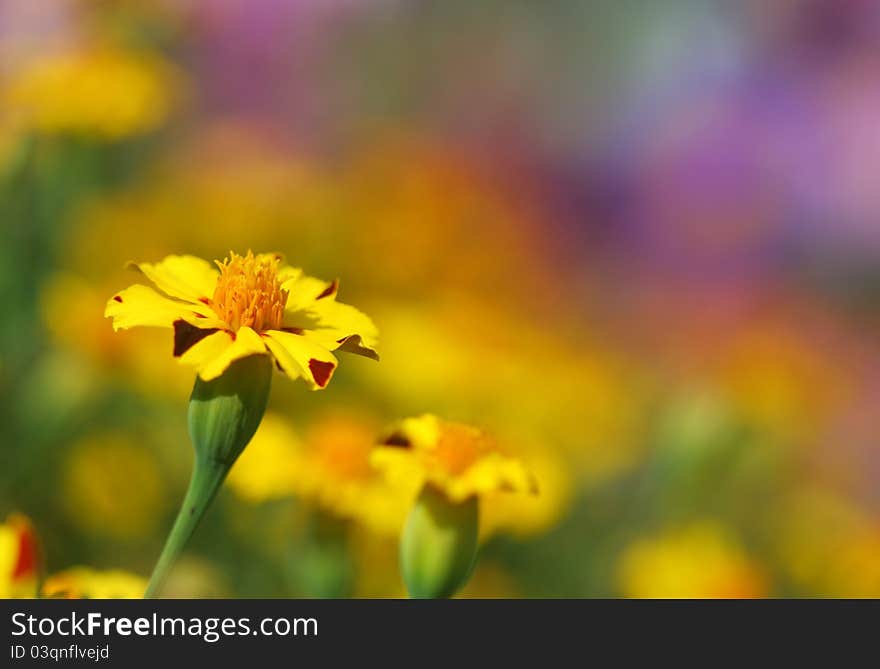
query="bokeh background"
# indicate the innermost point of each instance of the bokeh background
(639, 242)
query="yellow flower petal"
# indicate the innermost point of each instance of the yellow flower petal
(185, 277)
(304, 290)
(19, 558)
(287, 274)
(338, 326)
(87, 583)
(298, 356)
(212, 355)
(491, 473)
(140, 305)
(399, 467)
(207, 349)
(422, 431)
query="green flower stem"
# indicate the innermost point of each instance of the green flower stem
(207, 477)
(223, 415)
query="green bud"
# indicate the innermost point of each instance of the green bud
(224, 413)
(439, 544)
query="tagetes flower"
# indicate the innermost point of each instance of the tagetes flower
(246, 305)
(19, 558)
(102, 92)
(88, 583)
(20, 568)
(454, 468)
(459, 460)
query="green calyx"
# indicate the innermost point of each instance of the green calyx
(439, 544)
(223, 416)
(224, 413)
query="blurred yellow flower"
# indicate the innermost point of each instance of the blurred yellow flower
(101, 473)
(252, 306)
(87, 583)
(459, 460)
(266, 468)
(96, 91)
(699, 561)
(19, 558)
(330, 467)
(20, 571)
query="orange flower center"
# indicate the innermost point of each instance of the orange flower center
(459, 447)
(248, 293)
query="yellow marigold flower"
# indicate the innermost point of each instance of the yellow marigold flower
(453, 467)
(95, 91)
(87, 583)
(459, 460)
(246, 305)
(19, 558)
(699, 561)
(20, 566)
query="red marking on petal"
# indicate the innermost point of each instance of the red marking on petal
(321, 371)
(117, 298)
(329, 290)
(398, 439)
(354, 344)
(186, 336)
(198, 315)
(205, 300)
(28, 552)
(296, 331)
